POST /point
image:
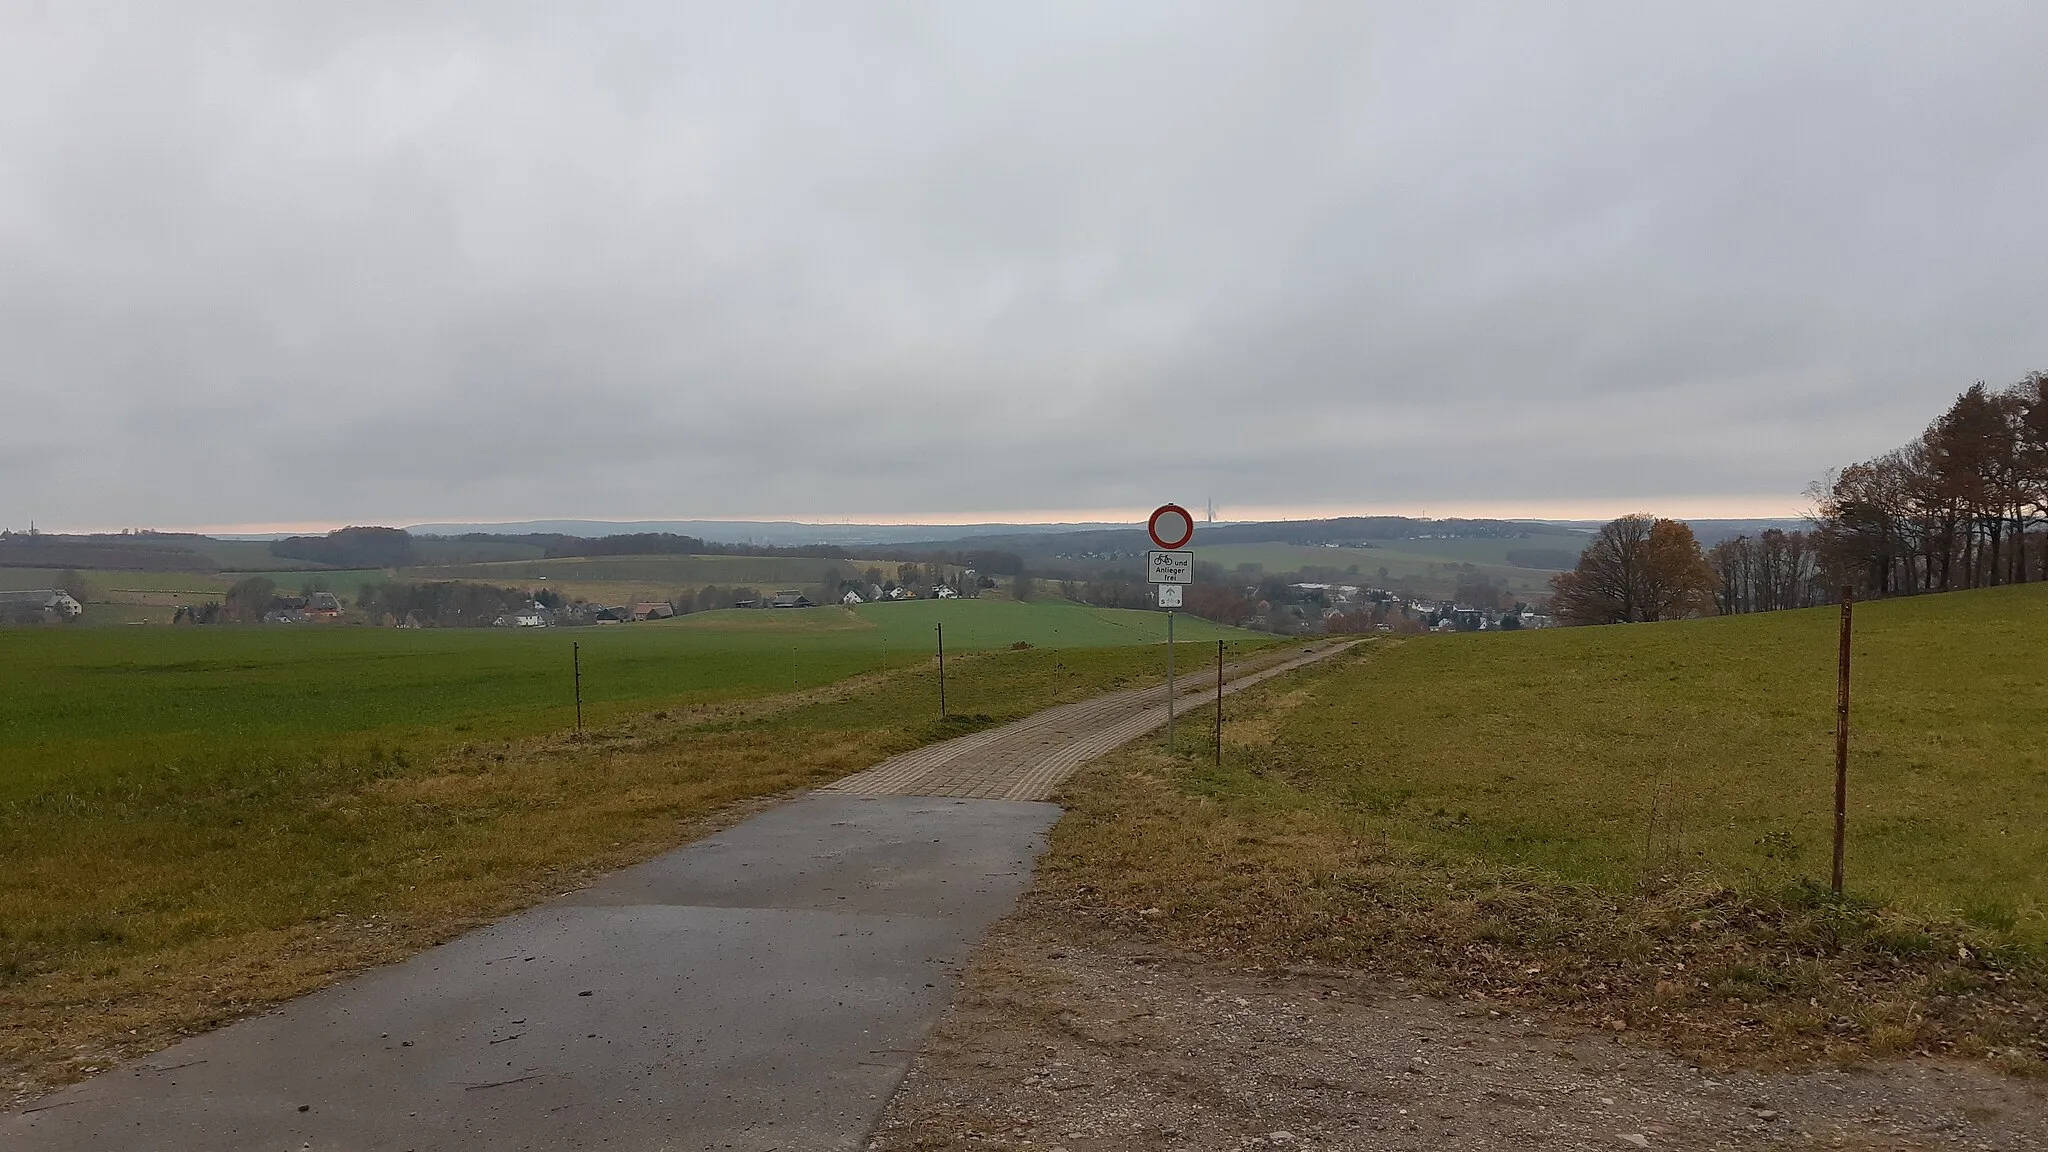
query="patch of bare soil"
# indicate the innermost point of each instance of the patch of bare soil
(1057, 1044)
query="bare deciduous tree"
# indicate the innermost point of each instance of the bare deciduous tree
(1956, 508)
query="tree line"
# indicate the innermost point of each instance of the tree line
(1956, 507)
(1962, 505)
(376, 547)
(439, 603)
(1215, 595)
(1772, 570)
(102, 553)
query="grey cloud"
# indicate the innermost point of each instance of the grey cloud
(394, 262)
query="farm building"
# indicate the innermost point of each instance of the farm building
(312, 608)
(39, 604)
(530, 616)
(790, 599)
(653, 610)
(851, 598)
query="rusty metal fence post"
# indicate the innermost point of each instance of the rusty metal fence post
(1842, 740)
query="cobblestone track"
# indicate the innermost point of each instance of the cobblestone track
(1026, 760)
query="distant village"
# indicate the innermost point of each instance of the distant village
(1312, 601)
(540, 614)
(1351, 607)
(1296, 608)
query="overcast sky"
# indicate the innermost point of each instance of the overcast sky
(311, 264)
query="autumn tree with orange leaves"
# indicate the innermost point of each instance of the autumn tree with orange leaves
(1637, 569)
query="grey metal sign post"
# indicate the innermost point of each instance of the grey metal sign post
(1170, 527)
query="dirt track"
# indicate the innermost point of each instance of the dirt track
(1028, 759)
(1053, 1044)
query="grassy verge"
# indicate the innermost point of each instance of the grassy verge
(1617, 822)
(155, 900)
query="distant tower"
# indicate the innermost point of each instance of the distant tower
(1212, 509)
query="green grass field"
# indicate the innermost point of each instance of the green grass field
(121, 598)
(341, 580)
(670, 572)
(1417, 565)
(969, 624)
(473, 551)
(85, 702)
(103, 582)
(1477, 550)
(252, 555)
(194, 821)
(118, 598)
(1631, 821)
(1712, 741)
(256, 556)
(629, 579)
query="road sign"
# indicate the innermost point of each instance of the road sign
(1166, 570)
(1169, 567)
(1171, 526)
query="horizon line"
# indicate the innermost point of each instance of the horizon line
(1683, 508)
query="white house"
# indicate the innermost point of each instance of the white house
(851, 598)
(531, 616)
(50, 603)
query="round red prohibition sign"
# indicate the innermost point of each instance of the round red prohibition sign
(1170, 526)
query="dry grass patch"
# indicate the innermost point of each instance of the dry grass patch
(1720, 974)
(1244, 726)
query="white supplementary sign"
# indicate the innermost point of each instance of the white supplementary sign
(1170, 567)
(1169, 595)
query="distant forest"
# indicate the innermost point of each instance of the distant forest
(143, 553)
(362, 547)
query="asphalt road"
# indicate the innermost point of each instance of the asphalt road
(763, 989)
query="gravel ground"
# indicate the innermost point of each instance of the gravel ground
(1053, 1044)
